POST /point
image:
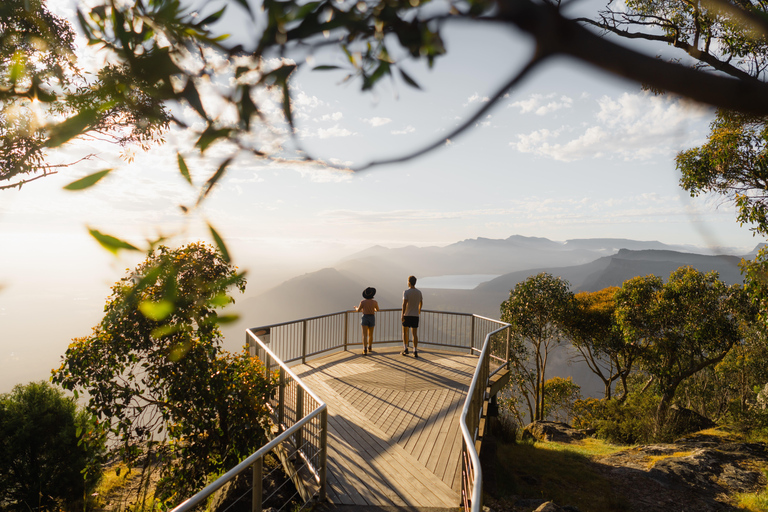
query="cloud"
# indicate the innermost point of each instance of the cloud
(377, 121)
(476, 98)
(334, 132)
(542, 105)
(631, 127)
(336, 116)
(405, 131)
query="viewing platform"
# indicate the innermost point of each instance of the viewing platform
(393, 424)
(382, 429)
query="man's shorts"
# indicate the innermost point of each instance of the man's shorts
(368, 321)
(411, 321)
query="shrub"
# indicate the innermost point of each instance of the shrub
(48, 450)
(631, 421)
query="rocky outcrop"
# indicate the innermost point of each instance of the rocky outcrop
(700, 473)
(554, 431)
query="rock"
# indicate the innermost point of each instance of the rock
(685, 421)
(697, 471)
(549, 506)
(553, 431)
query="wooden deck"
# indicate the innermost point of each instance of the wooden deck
(393, 424)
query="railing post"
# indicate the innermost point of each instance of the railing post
(299, 415)
(346, 330)
(472, 337)
(256, 490)
(509, 334)
(281, 400)
(304, 342)
(323, 462)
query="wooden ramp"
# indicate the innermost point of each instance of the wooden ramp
(393, 425)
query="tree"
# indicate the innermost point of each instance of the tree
(46, 100)
(679, 328)
(727, 38)
(594, 333)
(537, 309)
(560, 395)
(49, 450)
(155, 371)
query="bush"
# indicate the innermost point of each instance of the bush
(631, 421)
(47, 450)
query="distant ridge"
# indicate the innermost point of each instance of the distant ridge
(588, 265)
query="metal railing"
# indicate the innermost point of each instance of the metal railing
(496, 344)
(301, 421)
(300, 417)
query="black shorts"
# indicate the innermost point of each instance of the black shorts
(411, 321)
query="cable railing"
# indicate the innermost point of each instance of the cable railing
(299, 417)
(300, 437)
(496, 343)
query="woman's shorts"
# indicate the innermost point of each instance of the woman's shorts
(368, 320)
(411, 321)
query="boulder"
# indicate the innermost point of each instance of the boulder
(686, 421)
(554, 431)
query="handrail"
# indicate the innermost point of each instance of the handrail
(471, 406)
(254, 460)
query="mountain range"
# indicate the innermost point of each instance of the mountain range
(587, 264)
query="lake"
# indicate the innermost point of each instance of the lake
(455, 282)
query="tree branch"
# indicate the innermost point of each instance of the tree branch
(566, 37)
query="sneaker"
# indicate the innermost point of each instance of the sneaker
(365, 351)
(404, 352)
(415, 353)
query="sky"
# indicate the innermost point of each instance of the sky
(571, 153)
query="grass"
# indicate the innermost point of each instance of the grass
(653, 459)
(559, 472)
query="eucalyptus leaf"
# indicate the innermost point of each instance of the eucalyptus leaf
(87, 181)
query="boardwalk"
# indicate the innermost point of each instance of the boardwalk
(394, 436)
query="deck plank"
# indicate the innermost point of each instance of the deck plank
(394, 436)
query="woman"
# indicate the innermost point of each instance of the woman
(368, 306)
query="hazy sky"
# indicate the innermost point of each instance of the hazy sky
(572, 153)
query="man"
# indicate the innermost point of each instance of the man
(412, 301)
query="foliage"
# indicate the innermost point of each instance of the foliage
(536, 309)
(155, 370)
(733, 163)
(46, 100)
(630, 421)
(680, 327)
(49, 450)
(725, 392)
(559, 397)
(593, 332)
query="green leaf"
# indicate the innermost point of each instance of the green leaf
(156, 311)
(213, 17)
(183, 169)
(220, 244)
(111, 243)
(87, 181)
(214, 179)
(71, 128)
(165, 330)
(325, 68)
(227, 319)
(220, 300)
(410, 81)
